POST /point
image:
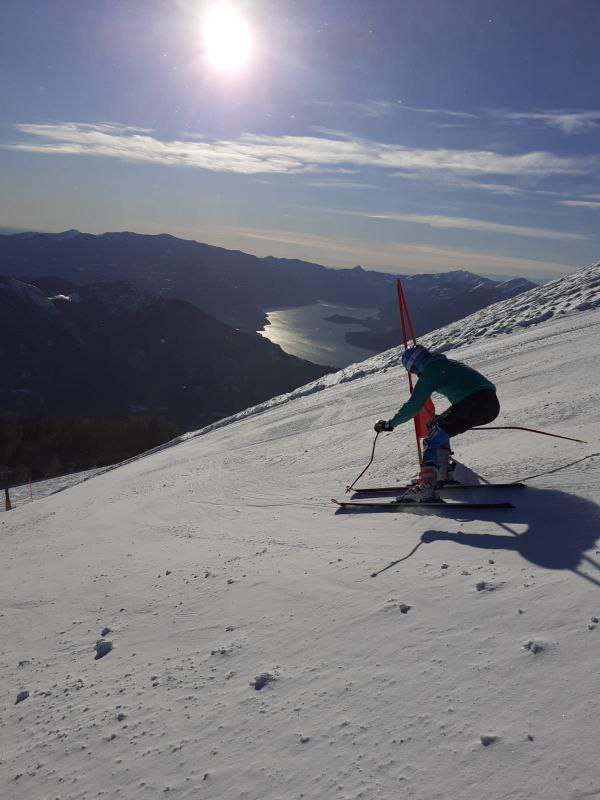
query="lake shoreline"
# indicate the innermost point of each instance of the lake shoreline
(317, 332)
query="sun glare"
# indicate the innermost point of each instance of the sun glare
(227, 38)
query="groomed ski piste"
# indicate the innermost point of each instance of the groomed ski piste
(254, 656)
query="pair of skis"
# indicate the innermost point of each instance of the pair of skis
(408, 505)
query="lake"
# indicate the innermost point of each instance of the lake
(304, 332)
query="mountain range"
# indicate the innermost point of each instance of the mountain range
(237, 288)
(108, 348)
(123, 323)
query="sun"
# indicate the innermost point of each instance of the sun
(227, 38)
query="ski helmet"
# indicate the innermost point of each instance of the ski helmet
(414, 358)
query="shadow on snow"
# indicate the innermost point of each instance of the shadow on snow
(561, 528)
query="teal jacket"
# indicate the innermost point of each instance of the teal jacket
(452, 379)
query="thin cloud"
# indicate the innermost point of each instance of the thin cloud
(331, 133)
(494, 188)
(367, 108)
(251, 154)
(438, 112)
(581, 203)
(566, 121)
(446, 125)
(341, 184)
(453, 182)
(467, 224)
(383, 108)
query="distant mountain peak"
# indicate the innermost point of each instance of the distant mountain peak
(70, 234)
(517, 282)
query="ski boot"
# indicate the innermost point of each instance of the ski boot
(425, 489)
(446, 467)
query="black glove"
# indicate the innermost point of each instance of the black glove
(383, 425)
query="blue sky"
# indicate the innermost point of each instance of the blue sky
(408, 136)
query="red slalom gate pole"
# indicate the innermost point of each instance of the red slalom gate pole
(404, 310)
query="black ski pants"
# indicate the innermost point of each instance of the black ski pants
(477, 409)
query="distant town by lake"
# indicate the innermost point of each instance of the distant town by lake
(316, 332)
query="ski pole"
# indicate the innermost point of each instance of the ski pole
(351, 486)
(530, 430)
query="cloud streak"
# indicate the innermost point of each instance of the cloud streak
(466, 224)
(566, 121)
(342, 184)
(383, 108)
(581, 203)
(438, 112)
(252, 154)
(458, 182)
(367, 108)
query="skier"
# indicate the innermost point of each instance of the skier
(473, 402)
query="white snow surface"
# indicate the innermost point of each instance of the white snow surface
(30, 492)
(220, 558)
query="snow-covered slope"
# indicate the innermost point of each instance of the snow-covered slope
(220, 558)
(579, 291)
(28, 493)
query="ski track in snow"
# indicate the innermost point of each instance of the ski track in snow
(253, 656)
